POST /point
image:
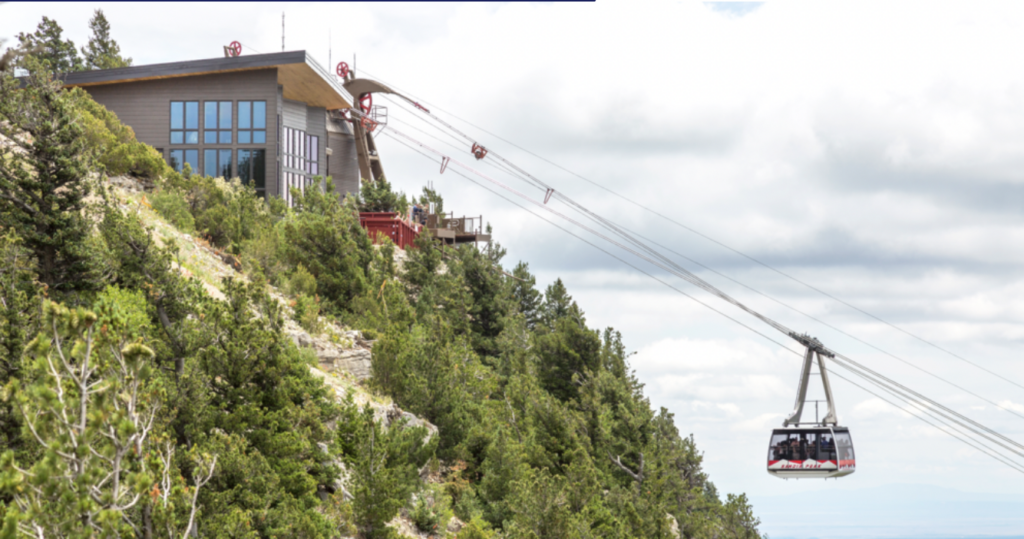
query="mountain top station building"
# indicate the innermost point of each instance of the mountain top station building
(264, 118)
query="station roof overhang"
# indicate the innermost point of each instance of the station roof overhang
(301, 78)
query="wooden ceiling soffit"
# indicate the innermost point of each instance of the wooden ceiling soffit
(302, 83)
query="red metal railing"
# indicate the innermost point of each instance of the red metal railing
(400, 232)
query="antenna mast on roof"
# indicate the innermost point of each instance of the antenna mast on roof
(282, 31)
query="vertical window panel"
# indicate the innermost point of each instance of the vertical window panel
(210, 115)
(242, 165)
(259, 114)
(259, 173)
(177, 114)
(177, 157)
(244, 115)
(225, 164)
(210, 163)
(225, 115)
(191, 115)
(192, 158)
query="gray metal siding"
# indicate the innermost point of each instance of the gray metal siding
(145, 106)
(294, 114)
(344, 169)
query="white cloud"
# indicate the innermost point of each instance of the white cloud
(1010, 405)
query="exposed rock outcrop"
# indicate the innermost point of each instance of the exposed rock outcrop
(336, 351)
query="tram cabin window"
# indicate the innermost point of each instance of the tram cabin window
(844, 446)
(802, 445)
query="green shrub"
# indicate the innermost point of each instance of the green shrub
(261, 254)
(477, 528)
(432, 510)
(171, 204)
(226, 213)
(114, 144)
(302, 282)
(309, 357)
(307, 313)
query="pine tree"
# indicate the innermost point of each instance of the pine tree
(19, 320)
(55, 55)
(90, 400)
(43, 179)
(557, 304)
(376, 195)
(384, 464)
(102, 51)
(525, 294)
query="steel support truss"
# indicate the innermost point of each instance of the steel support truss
(814, 348)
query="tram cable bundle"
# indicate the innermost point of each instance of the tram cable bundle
(798, 449)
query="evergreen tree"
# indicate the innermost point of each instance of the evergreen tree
(384, 464)
(43, 180)
(525, 294)
(376, 195)
(557, 304)
(54, 54)
(491, 303)
(102, 52)
(325, 237)
(19, 320)
(90, 399)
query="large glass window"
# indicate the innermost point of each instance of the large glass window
(178, 158)
(294, 154)
(312, 148)
(217, 163)
(184, 122)
(252, 168)
(252, 122)
(217, 122)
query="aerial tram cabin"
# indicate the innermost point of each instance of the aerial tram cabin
(820, 449)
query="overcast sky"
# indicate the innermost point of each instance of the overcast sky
(874, 150)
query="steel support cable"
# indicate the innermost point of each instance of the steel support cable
(717, 242)
(842, 358)
(627, 235)
(693, 279)
(1002, 459)
(496, 164)
(399, 105)
(925, 406)
(947, 414)
(605, 251)
(751, 329)
(705, 286)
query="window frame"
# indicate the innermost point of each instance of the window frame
(251, 131)
(220, 133)
(184, 131)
